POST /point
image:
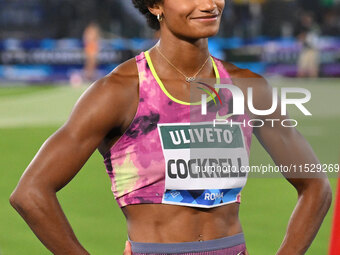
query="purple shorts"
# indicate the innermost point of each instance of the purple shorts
(230, 245)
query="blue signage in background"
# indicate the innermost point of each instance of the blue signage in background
(50, 60)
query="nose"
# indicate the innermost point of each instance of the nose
(208, 5)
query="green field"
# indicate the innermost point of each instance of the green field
(28, 115)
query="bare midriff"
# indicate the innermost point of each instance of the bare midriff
(161, 223)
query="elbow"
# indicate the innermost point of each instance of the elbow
(19, 201)
(13, 200)
(16, 198)
(328, 195)
(324, 189)
(25, 200)
(319, 190)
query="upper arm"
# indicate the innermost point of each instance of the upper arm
(100, 109)
(283, 142)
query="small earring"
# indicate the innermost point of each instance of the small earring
(159, 17)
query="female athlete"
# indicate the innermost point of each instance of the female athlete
(137, 116)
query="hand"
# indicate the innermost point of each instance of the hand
(247, 253)
(127, 250)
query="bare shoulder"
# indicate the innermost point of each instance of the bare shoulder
(117, 89)
(236, 72)
(246, 79)
(123, 78)
(127, 71)
(110, 100)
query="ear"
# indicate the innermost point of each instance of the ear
(156, 9)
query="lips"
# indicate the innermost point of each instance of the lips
(213, 15)
(206, 17)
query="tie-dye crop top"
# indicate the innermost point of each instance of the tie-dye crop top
(173, 152)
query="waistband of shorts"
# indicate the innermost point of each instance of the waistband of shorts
(197, 246)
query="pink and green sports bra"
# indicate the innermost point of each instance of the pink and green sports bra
(172, 154)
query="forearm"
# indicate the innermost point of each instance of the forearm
(44, 215)
(311, 208)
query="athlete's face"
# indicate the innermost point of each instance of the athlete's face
(191, 18)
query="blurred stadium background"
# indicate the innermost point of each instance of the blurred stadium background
(42, 55)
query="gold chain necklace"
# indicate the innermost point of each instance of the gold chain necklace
(187, 78)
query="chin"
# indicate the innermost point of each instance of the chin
(197, 32)
(205, 33)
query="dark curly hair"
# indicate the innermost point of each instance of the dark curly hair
(142, 6)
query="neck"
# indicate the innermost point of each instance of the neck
(187, 55)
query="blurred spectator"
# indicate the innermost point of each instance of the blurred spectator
(308, 62)
(91, 38)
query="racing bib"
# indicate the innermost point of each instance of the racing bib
(204, 165)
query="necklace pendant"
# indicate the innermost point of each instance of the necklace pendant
(190, 79)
